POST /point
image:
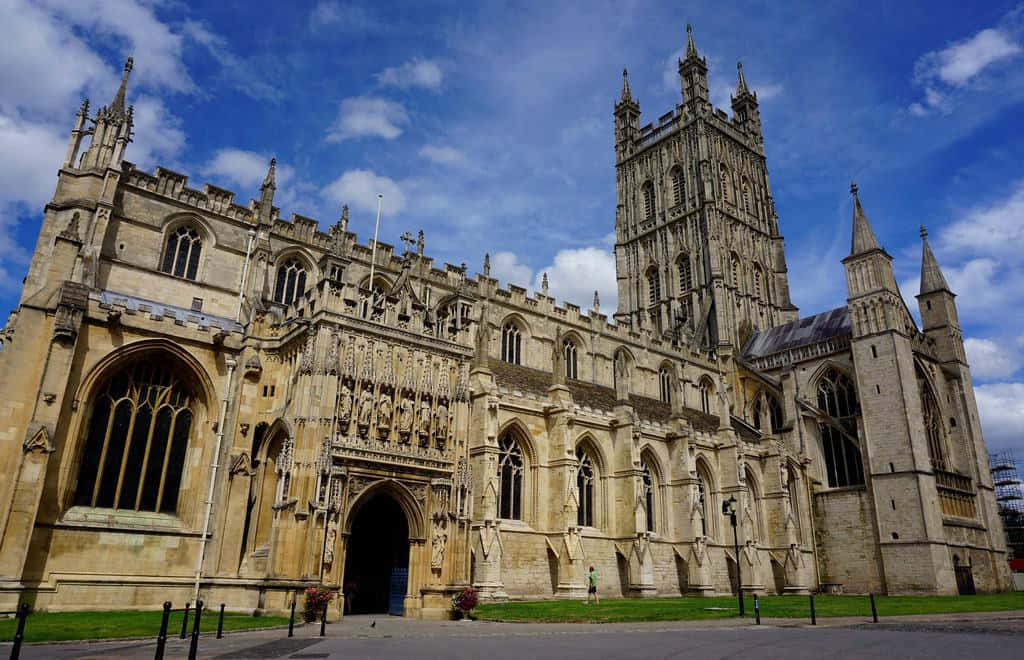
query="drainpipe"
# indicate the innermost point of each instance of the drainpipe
(245, 274)
(213, 475)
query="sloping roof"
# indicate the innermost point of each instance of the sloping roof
(799, 333)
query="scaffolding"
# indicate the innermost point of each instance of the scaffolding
(1010, 498)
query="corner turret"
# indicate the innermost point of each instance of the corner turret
(744, 107)
(112, 131)
(938, 308)
(693, 76)
(627, 120)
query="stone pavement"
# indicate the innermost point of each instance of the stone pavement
(991, 635)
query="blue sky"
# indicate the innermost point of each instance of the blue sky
(489, 126)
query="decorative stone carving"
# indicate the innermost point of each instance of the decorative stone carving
(384, 414)
(345, 406)
(329, 541)
(365, 414)
(423, 423)
(306, 364)
(40, 442)
(441, 425)
(241, 464)
(405, 419)
(438, 543)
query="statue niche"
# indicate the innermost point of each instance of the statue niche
(441, 425)
(384, 415)
(365, 412)
(405, 420)
(344, 408)
(423, 423)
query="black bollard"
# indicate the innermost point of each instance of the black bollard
(291, 621)
(757, 611)
(161, 639)
(220, 622)
(814, 620)
(323, 622)
(19, 635)
(874, 612)
(184, 622)
(193, 647)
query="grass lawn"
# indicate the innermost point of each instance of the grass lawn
(673, 609)
(59, 626)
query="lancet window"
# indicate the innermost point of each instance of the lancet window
(649, 203)
(838, 399)
(648, 494)
(291, 281)
(585, 488)
(571, 362)
(511, 344)
(510, 478)
(136, 440)
(665, 385)
(181, 253)
(654, 286)
(685, 274)
(932, 417)
(678, 186)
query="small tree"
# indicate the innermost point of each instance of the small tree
(317, 598)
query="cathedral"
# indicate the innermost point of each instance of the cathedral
(201, 398)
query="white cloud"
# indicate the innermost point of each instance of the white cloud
(506, 268)
(961, 61)
(157, 133)
(670, 74)
(359, 189)
(442, 155)
(368, 116)
(335, 15)
(132, 27)
(417, 72)
(1001, 406)
(31, 176)
(944, 72)
(245, 168)
(993, 359)
(575, 274)
(996, 228)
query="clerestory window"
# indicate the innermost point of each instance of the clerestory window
(181, 253)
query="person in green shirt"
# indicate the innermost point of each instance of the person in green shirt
(592, 587)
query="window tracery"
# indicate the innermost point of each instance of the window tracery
(136, 440)
(585, 488)
(511, 344)
(571, 364)
(181, 253)
(648, 494)
(510, 478)
(291, 281)
(838, 399)
(665, 385)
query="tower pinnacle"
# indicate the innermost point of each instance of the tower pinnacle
(863, 237)
(627, 93)
(269, 180)
(691, 48)
(931, 275)
(117, 105)
(741, 83)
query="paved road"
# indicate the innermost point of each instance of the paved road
(988, 636)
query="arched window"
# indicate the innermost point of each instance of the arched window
(746, 196)
(793, 490)
(723, 180)
(665, 385)
(685, 274)
(932, 417)
(736, 272)
(137, 438)
(585, 488)
(571, 364)
(774, 413)
(181, 254)
(705, 504)
(291, 281)
(511, 343)
(707, 390)
(649, 204)
(678, 185)
(838, 399)
(648, 494)
(510, 478)
(654, 286)
(757, 281)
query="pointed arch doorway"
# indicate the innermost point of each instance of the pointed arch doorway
(377, 558)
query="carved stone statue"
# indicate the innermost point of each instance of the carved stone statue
(441, 423)
(345, 404)
(405, 414)
(438, 543)
(423, 423)
(384, 410)
(365, 409)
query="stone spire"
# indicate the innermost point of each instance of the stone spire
(931, 275)
(691, 49)
(116, 107)
(741, 82)
(863, 238)
(627, 93)
(269, 181)
(267, 190)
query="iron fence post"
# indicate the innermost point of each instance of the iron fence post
(874, 612)
(19, 635)
(291, 621)
(323, 622)
(220, 622)
(757, 610)
(814, 620)
(184, 621)
(161, 638)
(193, 647)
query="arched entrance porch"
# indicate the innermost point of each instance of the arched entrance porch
(377, 557)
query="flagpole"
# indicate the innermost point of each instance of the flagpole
(373, 252)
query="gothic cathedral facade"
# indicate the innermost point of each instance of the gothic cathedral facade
(201, 398)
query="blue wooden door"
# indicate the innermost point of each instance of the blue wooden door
(396, 596)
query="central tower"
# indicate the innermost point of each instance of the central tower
(698, 254)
